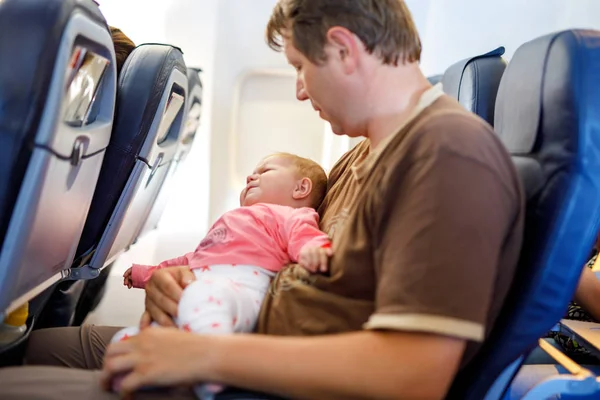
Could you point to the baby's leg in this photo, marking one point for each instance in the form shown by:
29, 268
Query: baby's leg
219, 304
123, 334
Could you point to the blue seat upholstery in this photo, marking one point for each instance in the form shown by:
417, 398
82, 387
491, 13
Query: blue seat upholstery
194, 112
142, 146
547, 116
53, 133
474, 82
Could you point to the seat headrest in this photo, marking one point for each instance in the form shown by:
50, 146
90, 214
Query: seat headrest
545, 74
474, 82
137, 98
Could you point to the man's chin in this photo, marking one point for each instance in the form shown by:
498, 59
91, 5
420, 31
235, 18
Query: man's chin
337, 130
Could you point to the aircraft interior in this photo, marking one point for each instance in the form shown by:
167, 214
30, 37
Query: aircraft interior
109, 162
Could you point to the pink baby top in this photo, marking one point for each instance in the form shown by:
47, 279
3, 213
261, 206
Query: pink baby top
263, 235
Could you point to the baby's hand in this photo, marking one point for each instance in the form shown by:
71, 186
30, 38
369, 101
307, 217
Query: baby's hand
315, 259
127, 280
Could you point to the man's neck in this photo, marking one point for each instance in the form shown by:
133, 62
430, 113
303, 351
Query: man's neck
394, 94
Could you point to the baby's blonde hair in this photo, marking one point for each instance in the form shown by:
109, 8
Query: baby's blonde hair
307, 168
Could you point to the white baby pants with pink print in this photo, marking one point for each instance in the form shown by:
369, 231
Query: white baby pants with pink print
223, 299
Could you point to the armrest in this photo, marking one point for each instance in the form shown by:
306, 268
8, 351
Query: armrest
581, 381
563, 359
586, 333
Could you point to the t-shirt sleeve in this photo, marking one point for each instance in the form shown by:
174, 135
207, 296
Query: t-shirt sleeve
438, 246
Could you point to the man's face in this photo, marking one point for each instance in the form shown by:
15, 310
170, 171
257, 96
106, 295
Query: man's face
273, 181
322, 84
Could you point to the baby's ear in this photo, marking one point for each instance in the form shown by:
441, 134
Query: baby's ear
302, 189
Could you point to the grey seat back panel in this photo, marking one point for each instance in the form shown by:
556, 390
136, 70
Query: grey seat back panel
54, 194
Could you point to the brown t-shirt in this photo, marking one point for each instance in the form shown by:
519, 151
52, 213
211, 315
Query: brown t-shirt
429, 245
342, 187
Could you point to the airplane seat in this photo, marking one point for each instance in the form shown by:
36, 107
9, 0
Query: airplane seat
474, 82
192, 122
57, 101
547, 116
93, 290
149, 115
151, 94
435, 79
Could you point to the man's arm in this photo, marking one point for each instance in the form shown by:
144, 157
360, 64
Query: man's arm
360, 365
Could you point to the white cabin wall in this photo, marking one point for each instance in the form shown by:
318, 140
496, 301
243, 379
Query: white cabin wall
453, 30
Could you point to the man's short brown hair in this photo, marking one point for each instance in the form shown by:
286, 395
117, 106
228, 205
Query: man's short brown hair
385, 27
308, 168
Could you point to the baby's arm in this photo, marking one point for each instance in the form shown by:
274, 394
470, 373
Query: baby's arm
307, 245
138, 275
315, 259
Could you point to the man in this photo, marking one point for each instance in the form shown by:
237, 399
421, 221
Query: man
424, 247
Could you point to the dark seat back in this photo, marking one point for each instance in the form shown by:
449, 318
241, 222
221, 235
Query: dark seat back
151, 95
547, 116
474, 82
57, 100
192, 122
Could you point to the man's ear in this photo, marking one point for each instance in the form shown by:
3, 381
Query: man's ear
343, 46
302, 189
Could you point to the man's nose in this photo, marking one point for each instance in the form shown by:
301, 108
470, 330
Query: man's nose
300, 91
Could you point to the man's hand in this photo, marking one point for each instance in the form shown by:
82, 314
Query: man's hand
163, 292
315, 259
127, 280
155, 357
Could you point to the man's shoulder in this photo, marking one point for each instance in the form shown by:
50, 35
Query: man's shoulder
447, 137
447, 128
446, 121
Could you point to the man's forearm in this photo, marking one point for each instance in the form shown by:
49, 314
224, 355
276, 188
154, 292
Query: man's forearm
356, 365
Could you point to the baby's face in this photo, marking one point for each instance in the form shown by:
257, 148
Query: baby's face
272, 181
